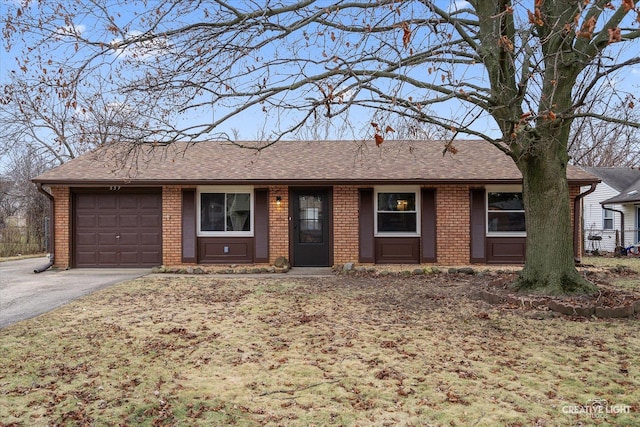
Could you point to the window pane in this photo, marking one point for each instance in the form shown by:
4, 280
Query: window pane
506, 221
397, 222
607, 219
212, 212
311, 219
505, 202
238, 212
396, 202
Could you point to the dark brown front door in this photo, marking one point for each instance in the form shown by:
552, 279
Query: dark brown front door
118, 229
311, 222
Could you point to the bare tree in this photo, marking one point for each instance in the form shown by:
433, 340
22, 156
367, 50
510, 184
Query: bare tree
33, 115
60, 123
595, 142
18, 196
35, 206
514, 74
8, 207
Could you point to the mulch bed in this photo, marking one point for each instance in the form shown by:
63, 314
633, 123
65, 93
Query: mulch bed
609, 302
492, 287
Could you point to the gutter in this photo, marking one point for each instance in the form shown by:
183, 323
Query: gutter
51, 241
89, 183
577, 255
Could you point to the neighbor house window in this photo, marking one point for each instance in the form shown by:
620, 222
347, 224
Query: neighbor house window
397, 212
505, 213
607, 219
225, 211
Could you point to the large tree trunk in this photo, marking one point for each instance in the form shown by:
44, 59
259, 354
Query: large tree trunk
549, 266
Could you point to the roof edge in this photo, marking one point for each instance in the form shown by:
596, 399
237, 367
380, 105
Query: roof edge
620, 200
156, 183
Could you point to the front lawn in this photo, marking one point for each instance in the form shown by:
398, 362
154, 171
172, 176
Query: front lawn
419, 350
630, 261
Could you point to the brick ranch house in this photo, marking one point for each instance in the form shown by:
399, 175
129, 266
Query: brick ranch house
317, 203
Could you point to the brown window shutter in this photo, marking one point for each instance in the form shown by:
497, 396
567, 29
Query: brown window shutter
261, 223
478, 226
428, 226
189, 226
366, 215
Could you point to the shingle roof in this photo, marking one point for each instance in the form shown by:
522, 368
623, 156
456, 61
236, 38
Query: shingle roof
631, 194
295, 162
625, 180
617, 178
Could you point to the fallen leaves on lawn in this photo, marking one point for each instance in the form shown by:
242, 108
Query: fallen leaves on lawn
410, 350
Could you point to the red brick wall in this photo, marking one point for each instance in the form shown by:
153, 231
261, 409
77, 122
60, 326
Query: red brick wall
452, 221
62, 226
345, 224
453, 215
278, 222
171, 225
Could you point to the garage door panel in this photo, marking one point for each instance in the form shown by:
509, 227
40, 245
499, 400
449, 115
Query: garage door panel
150, 202
107, 259
117, 230
148, 220
106, 201
86, 239
86, 221
128, 239
129, 221
129, 258
107, 240
150, 239
87, 202
107, 220
150, 258
87, 258
129, 201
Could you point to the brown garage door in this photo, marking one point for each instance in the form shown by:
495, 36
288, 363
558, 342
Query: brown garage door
118, 229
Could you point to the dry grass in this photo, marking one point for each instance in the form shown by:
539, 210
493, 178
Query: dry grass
632, 262
301, 351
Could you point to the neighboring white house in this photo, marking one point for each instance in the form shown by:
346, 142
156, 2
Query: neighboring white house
616, 199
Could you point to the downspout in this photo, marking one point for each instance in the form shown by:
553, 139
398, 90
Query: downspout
620, 249
51, 241
577, 211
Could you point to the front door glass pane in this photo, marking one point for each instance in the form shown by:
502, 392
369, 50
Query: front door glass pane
311, 219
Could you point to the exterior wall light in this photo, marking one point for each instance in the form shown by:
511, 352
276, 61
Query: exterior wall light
278, 201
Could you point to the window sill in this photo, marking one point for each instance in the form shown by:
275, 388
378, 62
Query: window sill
391, 234
225, 234
506, 234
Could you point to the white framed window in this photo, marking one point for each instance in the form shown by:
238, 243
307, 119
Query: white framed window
505, 211
225, 211
397, 211
607, 219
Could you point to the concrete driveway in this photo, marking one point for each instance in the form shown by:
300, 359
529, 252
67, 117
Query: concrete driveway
24, 294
